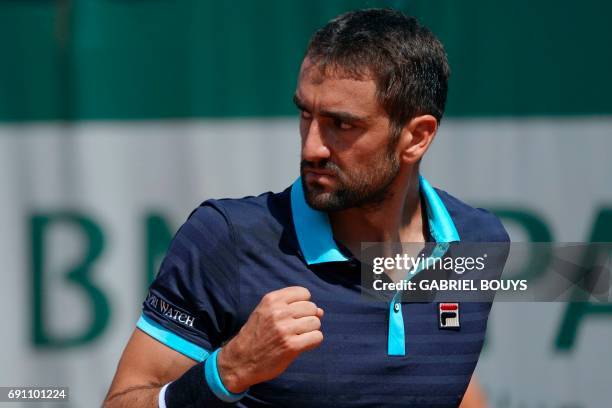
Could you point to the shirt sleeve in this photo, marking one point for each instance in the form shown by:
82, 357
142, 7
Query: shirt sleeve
191, 306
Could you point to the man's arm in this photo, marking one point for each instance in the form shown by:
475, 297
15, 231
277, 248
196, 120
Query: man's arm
474, 396
145, 366
283, 325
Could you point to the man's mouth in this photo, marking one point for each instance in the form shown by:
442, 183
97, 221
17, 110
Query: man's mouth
316, 172
320, 177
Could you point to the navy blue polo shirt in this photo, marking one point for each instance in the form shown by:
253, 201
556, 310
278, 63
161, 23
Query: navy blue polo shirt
231, 252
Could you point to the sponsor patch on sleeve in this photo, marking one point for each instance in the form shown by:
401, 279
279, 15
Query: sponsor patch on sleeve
171, 312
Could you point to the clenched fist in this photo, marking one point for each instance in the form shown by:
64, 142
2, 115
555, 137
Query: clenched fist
284, 325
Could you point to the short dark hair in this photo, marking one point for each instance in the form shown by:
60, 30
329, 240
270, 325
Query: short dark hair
405, 59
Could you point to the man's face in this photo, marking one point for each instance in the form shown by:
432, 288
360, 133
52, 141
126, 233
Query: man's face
349, 158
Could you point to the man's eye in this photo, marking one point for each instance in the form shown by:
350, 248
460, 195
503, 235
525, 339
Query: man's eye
305, 115
342, 125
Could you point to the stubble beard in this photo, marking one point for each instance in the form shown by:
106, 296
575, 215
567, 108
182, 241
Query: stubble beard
366, 189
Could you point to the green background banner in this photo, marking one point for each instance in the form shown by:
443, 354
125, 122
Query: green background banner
136, 59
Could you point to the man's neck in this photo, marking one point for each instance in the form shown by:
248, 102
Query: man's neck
400, 218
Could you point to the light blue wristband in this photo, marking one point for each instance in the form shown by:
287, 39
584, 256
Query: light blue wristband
211, 373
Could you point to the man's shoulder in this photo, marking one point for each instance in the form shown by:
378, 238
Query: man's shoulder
249, 211
473, 224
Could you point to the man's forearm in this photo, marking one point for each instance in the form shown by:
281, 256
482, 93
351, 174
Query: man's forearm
141, 397
191, 389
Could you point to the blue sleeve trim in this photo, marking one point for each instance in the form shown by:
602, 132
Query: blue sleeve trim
171, 339
211, 372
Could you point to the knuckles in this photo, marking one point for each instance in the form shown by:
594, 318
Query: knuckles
279, 295
278, 314
273, 319
268, 299
289, 345
281, 330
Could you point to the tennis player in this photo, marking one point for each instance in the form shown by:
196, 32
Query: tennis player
258, 301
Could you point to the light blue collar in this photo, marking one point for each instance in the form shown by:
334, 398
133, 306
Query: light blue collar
315, 234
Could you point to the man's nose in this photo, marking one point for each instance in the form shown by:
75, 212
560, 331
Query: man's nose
314, 147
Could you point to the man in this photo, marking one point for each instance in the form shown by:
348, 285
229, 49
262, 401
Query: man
258, 301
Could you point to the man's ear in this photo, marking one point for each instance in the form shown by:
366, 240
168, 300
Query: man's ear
416, 137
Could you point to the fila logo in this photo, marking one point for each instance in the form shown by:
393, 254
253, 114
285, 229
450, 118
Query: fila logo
448, 316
